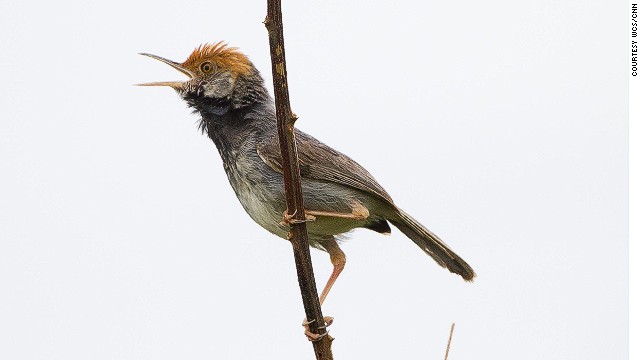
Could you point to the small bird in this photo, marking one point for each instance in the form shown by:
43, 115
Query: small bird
238, 114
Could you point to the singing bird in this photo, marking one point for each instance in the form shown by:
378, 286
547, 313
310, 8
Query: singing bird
238, 115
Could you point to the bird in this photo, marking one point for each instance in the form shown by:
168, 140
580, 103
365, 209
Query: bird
237, 113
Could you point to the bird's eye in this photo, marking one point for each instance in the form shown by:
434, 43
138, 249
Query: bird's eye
206, 67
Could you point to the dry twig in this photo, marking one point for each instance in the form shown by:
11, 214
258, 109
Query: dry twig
446, 354
293, 190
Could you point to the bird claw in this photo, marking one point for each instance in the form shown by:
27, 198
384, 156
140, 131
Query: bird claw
315, 337
328, 320
289, 220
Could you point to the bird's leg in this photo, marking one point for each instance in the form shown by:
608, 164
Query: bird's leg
358, 212
338, 259
289, 220
328, 320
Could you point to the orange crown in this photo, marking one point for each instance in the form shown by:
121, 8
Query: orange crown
222, 55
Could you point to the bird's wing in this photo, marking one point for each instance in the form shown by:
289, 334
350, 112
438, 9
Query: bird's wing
319, 161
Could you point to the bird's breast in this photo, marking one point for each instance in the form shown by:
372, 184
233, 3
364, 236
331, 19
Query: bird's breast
257, 191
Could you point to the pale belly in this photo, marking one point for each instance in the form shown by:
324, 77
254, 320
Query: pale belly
260, 190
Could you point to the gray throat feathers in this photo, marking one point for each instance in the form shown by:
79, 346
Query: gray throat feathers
229, 122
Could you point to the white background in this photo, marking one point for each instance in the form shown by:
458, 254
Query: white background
501, 125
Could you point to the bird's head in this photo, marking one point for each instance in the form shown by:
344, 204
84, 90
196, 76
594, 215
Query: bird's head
218, 74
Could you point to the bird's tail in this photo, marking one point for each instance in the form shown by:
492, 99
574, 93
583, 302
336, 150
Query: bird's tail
432, 245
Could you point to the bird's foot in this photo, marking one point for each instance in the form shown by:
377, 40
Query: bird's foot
289, 220
328, 320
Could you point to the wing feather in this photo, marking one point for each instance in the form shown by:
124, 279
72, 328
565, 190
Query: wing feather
319, 161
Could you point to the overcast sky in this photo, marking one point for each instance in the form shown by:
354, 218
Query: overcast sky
501, 125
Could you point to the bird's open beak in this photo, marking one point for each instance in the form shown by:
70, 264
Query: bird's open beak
178, 85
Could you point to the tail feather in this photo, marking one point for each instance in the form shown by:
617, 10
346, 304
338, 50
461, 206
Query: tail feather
432, 245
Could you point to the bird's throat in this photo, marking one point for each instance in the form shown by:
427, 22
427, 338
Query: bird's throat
209, 107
